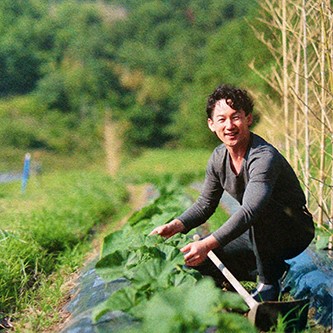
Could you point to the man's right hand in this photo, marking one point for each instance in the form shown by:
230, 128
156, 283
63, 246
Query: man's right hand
169, 229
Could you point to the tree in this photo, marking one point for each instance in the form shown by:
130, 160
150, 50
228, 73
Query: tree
19, 57
159, 54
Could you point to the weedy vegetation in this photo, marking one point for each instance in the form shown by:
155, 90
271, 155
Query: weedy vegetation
44, 235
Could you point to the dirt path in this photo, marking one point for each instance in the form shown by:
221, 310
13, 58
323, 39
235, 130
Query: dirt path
113, 148
112, 144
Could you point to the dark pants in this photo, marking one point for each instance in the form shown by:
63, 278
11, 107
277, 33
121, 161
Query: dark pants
278, 234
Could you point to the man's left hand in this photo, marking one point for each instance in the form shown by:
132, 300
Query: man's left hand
196, 252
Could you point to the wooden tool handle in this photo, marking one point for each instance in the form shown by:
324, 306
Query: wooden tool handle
234, 282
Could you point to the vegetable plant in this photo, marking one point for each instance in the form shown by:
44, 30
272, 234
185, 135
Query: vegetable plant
162, 294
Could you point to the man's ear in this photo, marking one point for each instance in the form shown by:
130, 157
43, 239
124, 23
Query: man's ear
249, 118
211, 124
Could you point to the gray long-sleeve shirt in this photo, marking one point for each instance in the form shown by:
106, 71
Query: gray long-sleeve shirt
265, 177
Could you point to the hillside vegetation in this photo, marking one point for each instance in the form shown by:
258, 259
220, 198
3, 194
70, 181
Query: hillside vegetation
149, 65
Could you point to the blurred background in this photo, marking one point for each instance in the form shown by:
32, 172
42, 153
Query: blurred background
81, 77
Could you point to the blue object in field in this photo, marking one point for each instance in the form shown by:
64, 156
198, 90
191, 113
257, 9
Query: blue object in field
26, 171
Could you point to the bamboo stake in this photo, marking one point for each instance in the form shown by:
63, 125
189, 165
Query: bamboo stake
323, 112
285, 79
303, 75
306, 101
330, 70
296, 127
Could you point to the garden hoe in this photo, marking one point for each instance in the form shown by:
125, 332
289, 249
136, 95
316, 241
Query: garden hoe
264, 315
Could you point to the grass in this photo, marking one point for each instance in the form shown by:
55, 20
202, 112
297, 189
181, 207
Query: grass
45, 235
153, 164
13, 159
42, 308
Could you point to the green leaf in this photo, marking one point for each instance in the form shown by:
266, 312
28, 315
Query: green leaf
191, 308
125, 263
111, 267
182, 309
147, 225
145, 213
231, 300
170, 252
120, 240
154, 273
122, 300
112, 242
183, 277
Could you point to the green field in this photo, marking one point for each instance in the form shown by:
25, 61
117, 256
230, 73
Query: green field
47, 232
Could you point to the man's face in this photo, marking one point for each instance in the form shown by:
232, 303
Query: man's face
231, 126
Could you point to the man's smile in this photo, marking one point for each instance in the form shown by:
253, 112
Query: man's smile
231, 134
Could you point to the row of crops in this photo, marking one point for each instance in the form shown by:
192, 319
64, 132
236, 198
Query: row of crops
162, 295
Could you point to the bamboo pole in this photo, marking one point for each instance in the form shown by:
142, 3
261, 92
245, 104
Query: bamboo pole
295, 110
285, 79
306, 104
330, 70
323, 113
295, 89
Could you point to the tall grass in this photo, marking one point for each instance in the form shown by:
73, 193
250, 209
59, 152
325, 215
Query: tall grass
50, 221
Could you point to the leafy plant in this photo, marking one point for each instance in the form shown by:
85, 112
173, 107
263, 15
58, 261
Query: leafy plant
193, 308
161, 291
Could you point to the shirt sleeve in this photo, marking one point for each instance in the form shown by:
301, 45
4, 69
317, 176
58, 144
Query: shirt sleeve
263, 170
207, 201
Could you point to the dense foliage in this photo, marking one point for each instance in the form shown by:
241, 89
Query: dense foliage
148, 64
170, 56
161, 293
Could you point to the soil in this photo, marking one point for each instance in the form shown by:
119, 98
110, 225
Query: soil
112, 144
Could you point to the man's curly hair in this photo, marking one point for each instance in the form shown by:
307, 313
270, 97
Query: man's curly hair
236, 98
